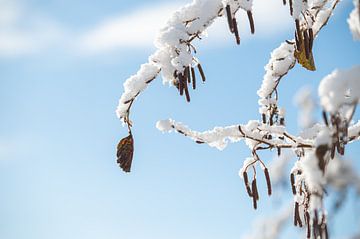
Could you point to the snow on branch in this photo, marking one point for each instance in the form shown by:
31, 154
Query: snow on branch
341, 87
354, 132
315, 147
133, 86
313, 17
254, 133
339, 94
174, 56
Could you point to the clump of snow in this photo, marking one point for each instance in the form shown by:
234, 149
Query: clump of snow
311, 133
354, 21
252, 125
299, 6
218, 137
248, 161
312, 174
323, 137
164, 125
354, 131
134, 85
236, 4
339, 88
321, 18
282, 59
174, 50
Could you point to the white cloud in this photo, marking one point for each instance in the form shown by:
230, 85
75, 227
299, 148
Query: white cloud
139, 28
23, 32
136, 29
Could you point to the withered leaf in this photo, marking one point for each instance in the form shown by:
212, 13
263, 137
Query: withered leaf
306, 63
303, 53
125, 151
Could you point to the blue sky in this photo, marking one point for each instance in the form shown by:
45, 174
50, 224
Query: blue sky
60, 81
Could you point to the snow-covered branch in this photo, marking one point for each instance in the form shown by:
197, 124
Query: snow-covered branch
254, 133
175, 54
314, 17
316, 148
340, 88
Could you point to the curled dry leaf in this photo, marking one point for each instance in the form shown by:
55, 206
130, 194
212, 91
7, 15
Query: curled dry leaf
303, 52
125, 151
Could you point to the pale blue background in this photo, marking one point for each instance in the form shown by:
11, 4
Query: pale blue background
58, 176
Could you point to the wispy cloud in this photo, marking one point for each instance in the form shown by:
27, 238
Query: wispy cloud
25, 32
139, 28
136, 29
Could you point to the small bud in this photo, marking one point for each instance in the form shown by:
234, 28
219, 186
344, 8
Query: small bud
271, 120
268, 183
187, 92
201, 71
251, 21
193, 78
297, 43
298, 32
307, 219
229, 18
296, 210
306, 44
246, 181
236, 31
187, 75
255, 193
311, 38
292, 181
181, 84
297, 219
282, 121
263, 117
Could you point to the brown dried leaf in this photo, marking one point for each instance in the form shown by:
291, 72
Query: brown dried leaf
125, 151
303, 53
